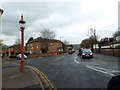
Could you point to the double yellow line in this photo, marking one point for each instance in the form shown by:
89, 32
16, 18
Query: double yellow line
41, 75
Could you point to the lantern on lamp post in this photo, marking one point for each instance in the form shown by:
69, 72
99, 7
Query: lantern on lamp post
22, 27
1, 11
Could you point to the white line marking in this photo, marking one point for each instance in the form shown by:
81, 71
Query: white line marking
76, 61
60, 58
96, 69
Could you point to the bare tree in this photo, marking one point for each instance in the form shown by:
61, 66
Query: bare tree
117, 33
66, 42
47, 34
92, 33
91, 40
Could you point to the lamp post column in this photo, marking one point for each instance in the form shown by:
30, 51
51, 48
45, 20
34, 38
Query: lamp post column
22, 68
22, 27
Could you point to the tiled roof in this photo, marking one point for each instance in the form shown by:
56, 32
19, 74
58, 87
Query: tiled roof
40, 39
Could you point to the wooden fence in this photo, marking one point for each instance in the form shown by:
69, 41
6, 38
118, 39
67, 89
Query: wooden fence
108, 51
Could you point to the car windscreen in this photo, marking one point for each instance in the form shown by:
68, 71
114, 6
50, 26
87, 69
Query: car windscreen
86, 50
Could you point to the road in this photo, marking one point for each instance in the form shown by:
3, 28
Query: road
71, 71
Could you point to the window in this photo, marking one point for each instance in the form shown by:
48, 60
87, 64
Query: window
31, 47
30, 52
37, 47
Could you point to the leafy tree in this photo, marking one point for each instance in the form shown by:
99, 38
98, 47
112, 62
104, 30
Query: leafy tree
4, 46
85, 43
88, 43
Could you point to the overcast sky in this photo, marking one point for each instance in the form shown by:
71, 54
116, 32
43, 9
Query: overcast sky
70, 20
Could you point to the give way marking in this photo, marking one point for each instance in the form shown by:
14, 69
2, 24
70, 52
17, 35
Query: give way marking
76, 61
103, 70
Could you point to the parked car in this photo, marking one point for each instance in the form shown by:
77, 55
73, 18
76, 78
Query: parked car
19, 56
70, 52
87, 53
73, 50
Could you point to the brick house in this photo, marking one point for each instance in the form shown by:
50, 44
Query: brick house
12, 50
41, 45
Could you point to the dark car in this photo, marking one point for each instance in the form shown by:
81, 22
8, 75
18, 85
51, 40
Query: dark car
87, 53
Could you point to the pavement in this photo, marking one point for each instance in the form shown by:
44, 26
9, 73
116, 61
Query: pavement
31, 78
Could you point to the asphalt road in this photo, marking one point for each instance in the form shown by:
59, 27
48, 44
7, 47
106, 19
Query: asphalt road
71, 71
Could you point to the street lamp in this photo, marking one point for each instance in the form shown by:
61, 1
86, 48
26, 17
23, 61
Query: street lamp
1, 11
22, 27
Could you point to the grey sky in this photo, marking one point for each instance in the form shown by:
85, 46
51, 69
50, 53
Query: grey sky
70, 20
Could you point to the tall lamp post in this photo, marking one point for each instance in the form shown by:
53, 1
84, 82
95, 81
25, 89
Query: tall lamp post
1, 12
22, 27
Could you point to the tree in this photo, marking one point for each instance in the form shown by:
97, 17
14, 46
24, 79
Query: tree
47, 34
117, 33
92, 37
66, 42
92, 33
85, 43
4, 46
30, 39
88, 43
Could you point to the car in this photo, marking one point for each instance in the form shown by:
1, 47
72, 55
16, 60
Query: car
20, 55
87, 53
73, 50
70, 52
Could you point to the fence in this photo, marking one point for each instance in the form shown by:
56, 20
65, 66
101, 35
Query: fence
108, 51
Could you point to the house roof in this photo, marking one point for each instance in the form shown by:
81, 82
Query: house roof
40, 39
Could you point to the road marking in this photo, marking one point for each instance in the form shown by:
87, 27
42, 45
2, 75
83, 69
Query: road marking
41, 74
76, 61
102, 70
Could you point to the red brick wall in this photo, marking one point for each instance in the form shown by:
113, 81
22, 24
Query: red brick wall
33, 47
54, 47
36, 47
16, 49
41, 55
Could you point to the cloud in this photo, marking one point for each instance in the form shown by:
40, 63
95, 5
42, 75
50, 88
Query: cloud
70, 20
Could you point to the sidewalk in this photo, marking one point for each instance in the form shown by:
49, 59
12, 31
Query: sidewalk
13, 78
